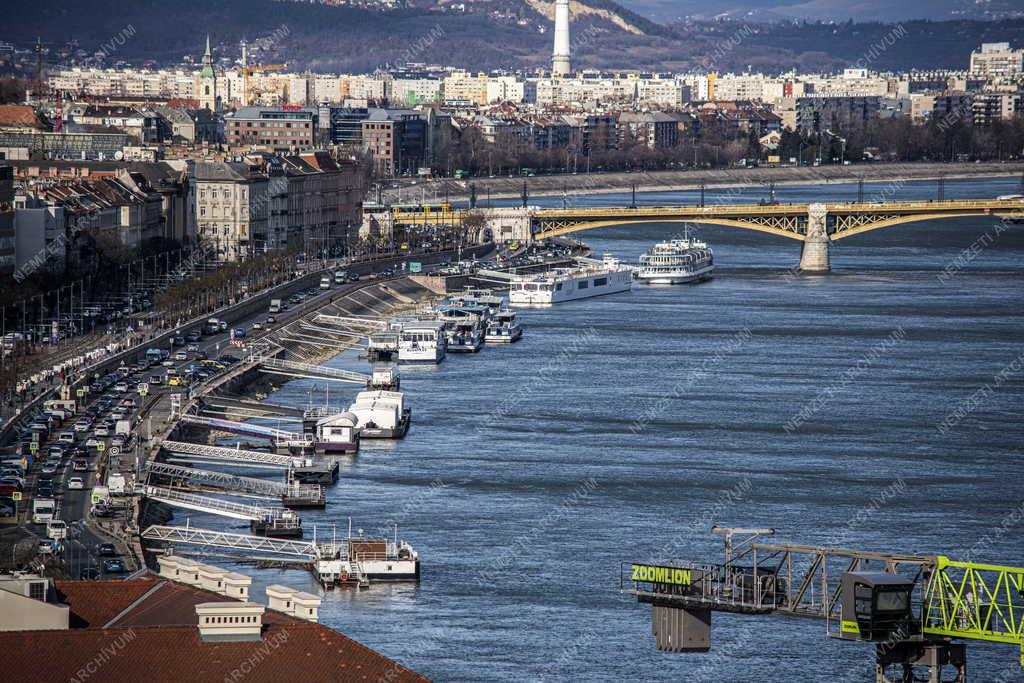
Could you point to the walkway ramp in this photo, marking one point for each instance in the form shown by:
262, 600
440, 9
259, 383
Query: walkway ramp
232, 482
243, 428
211, 505
293, 368
232, 455
221, 539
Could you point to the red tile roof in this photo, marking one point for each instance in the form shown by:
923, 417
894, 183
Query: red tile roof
155, 638
94, 603
19, 116
288, 652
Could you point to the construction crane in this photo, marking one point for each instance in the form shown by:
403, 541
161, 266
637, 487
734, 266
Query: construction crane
246, 71
912, 607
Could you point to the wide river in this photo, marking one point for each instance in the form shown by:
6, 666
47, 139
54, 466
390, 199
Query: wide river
835, 409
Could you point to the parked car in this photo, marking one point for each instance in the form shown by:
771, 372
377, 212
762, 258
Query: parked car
114, 566
106, 550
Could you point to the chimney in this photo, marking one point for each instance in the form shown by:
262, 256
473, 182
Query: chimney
560, 64
294, 602
229, 621
180, 569
237, 585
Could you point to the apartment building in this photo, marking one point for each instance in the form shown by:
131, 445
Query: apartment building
279, 129
997, 60
230, 203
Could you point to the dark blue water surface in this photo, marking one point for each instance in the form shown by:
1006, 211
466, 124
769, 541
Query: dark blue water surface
621, 428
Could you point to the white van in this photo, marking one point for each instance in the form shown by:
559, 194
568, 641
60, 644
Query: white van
325, 282
57, 529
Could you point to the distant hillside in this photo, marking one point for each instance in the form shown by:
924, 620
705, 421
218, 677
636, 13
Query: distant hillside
489, 35
668, 11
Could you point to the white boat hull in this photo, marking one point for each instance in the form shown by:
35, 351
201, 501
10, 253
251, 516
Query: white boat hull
679, 278
426, 356
532, 298
508, 337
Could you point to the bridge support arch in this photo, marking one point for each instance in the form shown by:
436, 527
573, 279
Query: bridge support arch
814, 256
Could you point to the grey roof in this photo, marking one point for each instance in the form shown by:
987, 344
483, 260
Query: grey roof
221, 170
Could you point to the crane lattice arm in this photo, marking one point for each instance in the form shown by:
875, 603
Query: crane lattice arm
976, 601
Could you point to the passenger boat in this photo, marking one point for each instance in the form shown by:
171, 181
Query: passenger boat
465, 337
589, 278
676, 262
422, 341
336, 434
479, 296
504, 328
359, 559
381, 414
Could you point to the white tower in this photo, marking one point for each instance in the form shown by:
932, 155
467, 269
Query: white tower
560, 65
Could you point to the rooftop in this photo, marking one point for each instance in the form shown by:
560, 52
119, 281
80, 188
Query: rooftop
147, 630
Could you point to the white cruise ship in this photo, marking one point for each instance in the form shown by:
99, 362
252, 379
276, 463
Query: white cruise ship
590, 278
676, 262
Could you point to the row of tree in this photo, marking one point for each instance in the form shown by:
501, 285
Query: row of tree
894, 139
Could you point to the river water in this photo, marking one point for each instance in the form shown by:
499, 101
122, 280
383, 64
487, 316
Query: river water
622, 428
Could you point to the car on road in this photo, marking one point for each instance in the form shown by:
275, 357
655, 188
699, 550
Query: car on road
121, 387
89, 574
257, 325
193, 336
67, 438
45, 546
271, 320
49, 468
82, 425
156, 380
106, 549
175, 381
192, 348
76, 483
239, 332
80, 466
101, 431
181, 355
114, 566
93, 442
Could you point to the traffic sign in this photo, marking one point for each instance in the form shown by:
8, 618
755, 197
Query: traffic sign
16, 496
115, 450
100, 447
80, 393
34, 446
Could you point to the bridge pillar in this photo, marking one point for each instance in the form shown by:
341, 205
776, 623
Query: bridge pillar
814, 257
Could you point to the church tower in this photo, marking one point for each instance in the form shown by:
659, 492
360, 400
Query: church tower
206, 87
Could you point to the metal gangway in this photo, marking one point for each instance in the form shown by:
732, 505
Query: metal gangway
215, 506
244, 428
293, 368
232, 455
234, 482
308, 550
357, 321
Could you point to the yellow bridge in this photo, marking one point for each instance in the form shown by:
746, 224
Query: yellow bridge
786, 220
815, 225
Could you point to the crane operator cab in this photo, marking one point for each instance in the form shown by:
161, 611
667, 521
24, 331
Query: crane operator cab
876, 606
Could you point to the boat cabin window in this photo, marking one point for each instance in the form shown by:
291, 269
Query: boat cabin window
583, 284
600, 282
